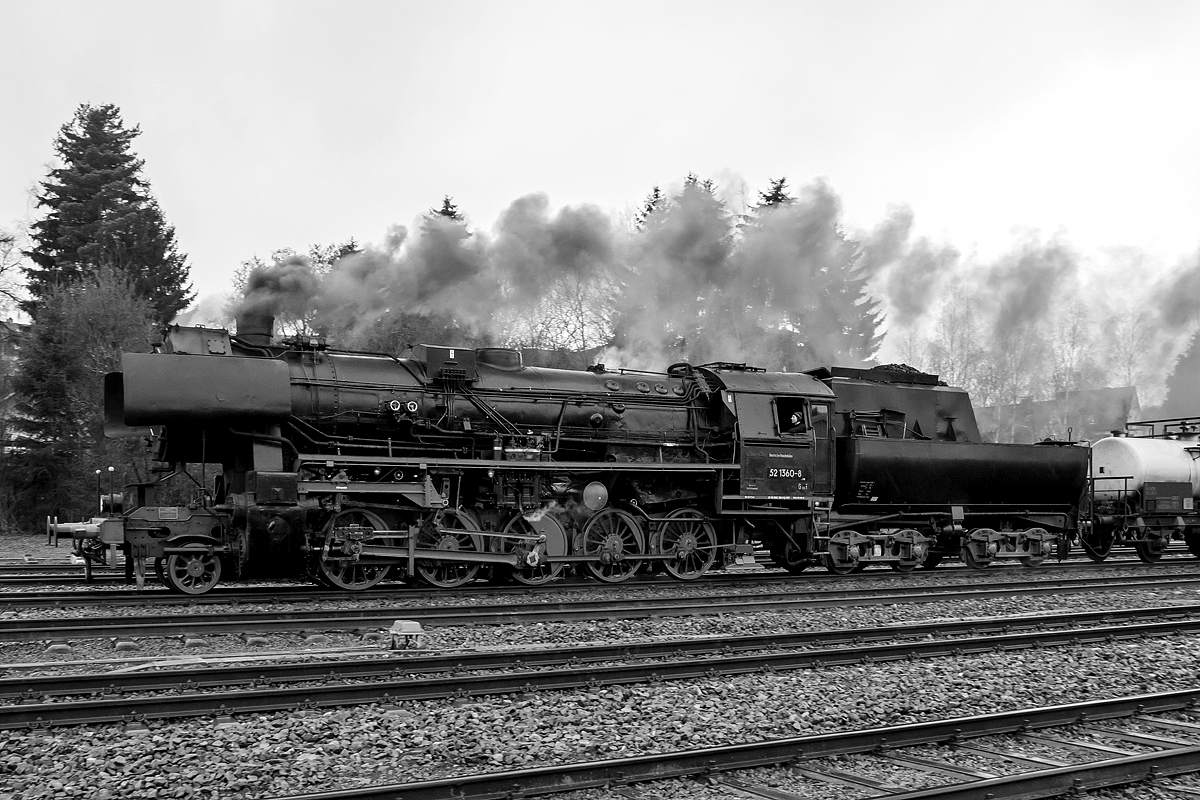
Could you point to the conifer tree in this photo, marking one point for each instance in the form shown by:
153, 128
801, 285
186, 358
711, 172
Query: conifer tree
99, 213
654, 205
776, 195
79, 336
449, 209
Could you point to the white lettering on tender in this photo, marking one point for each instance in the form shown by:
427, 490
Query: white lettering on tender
779, 455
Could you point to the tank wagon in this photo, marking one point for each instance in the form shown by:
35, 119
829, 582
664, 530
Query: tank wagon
1145, 484
451, 464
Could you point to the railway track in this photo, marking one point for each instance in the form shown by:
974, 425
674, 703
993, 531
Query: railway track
274, 620
821, 583
265, 687
1160, 723
21, 573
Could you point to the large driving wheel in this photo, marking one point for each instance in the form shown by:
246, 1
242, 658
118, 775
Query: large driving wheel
340, 564
689, 540
192, 573
535, 569
454, 532
610, 538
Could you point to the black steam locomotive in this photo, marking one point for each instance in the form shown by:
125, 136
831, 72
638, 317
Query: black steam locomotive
452, 464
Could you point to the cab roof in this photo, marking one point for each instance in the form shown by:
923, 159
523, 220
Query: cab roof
737, 378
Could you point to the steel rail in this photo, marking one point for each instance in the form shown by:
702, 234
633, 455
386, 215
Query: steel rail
297, 590
67, 628
33, 573
783, 752
395, 663
564, 677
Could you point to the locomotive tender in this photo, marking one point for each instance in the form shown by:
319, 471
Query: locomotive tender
453, 464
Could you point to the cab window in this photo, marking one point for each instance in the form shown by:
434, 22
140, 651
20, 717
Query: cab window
819, 419
793, 416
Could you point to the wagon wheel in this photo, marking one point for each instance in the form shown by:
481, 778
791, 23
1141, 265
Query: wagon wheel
1096, 544
610, 537
1191, 537
932, 559
192, 573
903, 566
689, 539
841, 558
454, 533
337, 565
541, 571
972, 559
791, 557
1035, 559
1150, 550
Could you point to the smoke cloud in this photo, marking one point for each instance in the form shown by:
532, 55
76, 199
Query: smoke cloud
697, 282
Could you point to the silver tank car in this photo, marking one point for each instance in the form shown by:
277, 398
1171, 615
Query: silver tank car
1144, 486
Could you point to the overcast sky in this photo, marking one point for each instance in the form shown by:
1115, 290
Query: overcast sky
284, 124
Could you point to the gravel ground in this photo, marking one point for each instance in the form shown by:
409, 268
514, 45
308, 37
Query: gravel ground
274, 754
100, 654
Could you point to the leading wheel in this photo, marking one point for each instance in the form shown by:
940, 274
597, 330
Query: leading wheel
192, 573
688, 540
453, 533
340, 564
539, 571
609, 538
1151, 550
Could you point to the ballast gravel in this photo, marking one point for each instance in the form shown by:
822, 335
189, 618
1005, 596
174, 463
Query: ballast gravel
98, 654
308, 750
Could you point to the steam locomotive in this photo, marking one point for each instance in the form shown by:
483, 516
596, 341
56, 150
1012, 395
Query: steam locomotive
451, 464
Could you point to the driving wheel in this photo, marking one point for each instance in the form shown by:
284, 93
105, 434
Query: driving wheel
340, 564
690, 542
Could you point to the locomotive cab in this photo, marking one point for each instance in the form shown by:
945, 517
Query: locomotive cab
782, 434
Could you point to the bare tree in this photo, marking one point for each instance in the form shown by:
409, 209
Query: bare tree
1129, 339
955, 349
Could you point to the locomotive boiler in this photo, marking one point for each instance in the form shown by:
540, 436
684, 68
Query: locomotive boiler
449, 464
1145, 483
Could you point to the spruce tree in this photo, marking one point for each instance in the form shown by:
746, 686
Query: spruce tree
79, 336
449, 210
99, 213
776, 195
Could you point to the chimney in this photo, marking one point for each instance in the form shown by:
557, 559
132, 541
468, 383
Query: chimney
255, 327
